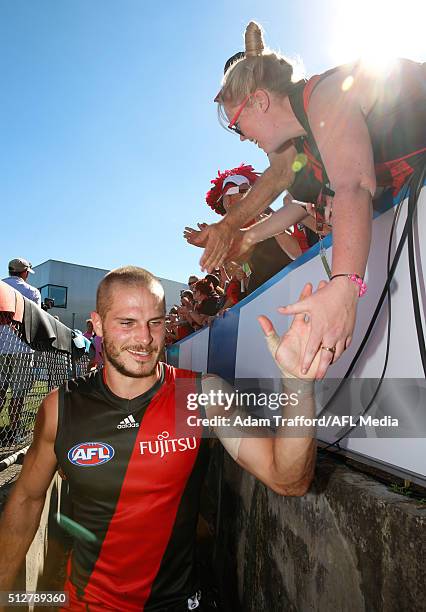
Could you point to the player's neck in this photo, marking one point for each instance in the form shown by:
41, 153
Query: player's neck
126, 386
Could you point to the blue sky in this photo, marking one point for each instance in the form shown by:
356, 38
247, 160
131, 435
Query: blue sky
109, 135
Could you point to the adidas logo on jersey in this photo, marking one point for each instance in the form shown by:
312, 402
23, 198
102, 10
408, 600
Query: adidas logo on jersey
127, 422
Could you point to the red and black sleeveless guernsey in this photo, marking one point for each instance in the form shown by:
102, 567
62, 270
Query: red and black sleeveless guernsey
136, 485
396, 124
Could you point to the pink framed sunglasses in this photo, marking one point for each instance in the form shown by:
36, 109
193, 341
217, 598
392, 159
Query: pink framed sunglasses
233, 124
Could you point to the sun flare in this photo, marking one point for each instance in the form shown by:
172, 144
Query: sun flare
377, 31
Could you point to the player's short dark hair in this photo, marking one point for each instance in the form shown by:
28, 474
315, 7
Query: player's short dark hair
127, 275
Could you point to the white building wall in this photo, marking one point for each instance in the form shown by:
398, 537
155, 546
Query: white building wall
82, 282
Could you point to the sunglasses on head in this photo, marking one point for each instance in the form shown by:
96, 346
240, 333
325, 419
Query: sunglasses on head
236, 189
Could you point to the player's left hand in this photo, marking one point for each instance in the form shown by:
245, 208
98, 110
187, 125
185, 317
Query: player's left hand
288, 351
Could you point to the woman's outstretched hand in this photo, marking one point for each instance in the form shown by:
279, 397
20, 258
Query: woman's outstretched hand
332, 312
241, 245
217, 240
193, 236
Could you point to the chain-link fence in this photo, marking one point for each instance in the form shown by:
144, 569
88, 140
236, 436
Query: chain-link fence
26, 376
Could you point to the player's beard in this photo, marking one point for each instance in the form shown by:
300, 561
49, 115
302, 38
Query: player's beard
122, 361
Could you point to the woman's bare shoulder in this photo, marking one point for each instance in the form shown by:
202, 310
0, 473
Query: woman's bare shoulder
348, 84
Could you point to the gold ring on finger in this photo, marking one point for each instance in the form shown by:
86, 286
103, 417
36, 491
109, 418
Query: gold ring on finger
331, 349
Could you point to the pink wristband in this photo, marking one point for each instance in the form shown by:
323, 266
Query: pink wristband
356, 279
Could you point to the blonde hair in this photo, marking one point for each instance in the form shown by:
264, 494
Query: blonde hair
260, 68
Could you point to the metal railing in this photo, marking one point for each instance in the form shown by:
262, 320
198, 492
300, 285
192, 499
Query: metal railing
26, 377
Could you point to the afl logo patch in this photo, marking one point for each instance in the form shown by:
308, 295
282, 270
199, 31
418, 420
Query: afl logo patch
88, 454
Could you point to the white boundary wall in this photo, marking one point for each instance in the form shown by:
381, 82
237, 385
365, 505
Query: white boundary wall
401, 455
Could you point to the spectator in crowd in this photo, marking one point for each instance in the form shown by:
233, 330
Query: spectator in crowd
19, 271
16, 357
192, 280
95, 352
183, 326
193, 314
208, 304
235, 289
89, 329
265, 259
169, 335
178, 325
173, 323
186, 295
216, 282
351, 129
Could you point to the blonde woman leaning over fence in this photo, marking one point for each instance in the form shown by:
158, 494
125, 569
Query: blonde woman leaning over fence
353, 130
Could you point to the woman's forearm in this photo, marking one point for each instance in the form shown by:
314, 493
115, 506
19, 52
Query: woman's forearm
289, 245
310, 223
352, 219
279, 221
278, 177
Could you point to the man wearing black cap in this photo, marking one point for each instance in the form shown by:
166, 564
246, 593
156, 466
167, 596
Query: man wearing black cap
19, 270
16, 357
